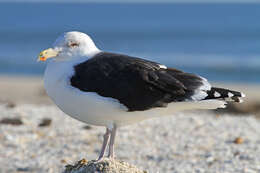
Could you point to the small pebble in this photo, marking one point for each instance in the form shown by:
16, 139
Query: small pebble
10, 105
218, 115
45, 122
237, 153
82, 162
11, 121
63, 161
24, 169
238, 140
87, 127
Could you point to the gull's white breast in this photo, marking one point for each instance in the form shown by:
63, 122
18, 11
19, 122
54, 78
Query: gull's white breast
88, 107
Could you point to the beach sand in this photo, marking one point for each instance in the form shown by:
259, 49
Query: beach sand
23, 90
183, 143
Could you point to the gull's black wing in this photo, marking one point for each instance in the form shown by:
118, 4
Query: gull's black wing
136, 83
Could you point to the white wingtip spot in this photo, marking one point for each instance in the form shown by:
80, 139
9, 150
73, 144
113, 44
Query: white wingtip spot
162, 66
217, 94
243, 95
230, 94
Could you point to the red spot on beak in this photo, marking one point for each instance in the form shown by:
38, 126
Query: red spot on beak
42, 58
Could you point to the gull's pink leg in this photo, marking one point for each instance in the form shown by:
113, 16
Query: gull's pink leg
104, 145
112, 142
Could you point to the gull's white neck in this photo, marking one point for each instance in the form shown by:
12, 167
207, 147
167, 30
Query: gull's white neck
93, 53
91, 50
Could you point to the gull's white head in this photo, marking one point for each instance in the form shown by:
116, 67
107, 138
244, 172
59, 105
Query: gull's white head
70, 45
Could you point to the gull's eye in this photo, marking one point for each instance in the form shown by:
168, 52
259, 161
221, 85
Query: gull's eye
73, 44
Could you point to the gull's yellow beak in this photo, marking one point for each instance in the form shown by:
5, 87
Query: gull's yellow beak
46, 54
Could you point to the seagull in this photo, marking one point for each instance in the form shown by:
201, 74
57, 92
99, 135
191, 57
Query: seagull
113, 90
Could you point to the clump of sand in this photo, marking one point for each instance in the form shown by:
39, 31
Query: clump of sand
103, 166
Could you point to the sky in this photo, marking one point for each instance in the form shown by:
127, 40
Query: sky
142, 1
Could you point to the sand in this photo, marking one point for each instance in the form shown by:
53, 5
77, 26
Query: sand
22, 90
182, 143
105, 165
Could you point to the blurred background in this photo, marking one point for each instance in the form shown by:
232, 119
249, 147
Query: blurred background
219, 40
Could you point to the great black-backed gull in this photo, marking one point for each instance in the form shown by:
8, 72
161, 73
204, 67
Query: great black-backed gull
113, 90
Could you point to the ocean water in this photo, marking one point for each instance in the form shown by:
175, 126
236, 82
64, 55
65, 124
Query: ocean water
218, 41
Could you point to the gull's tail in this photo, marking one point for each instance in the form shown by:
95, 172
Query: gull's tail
225, 94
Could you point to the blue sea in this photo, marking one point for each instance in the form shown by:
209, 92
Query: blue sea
218, 41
